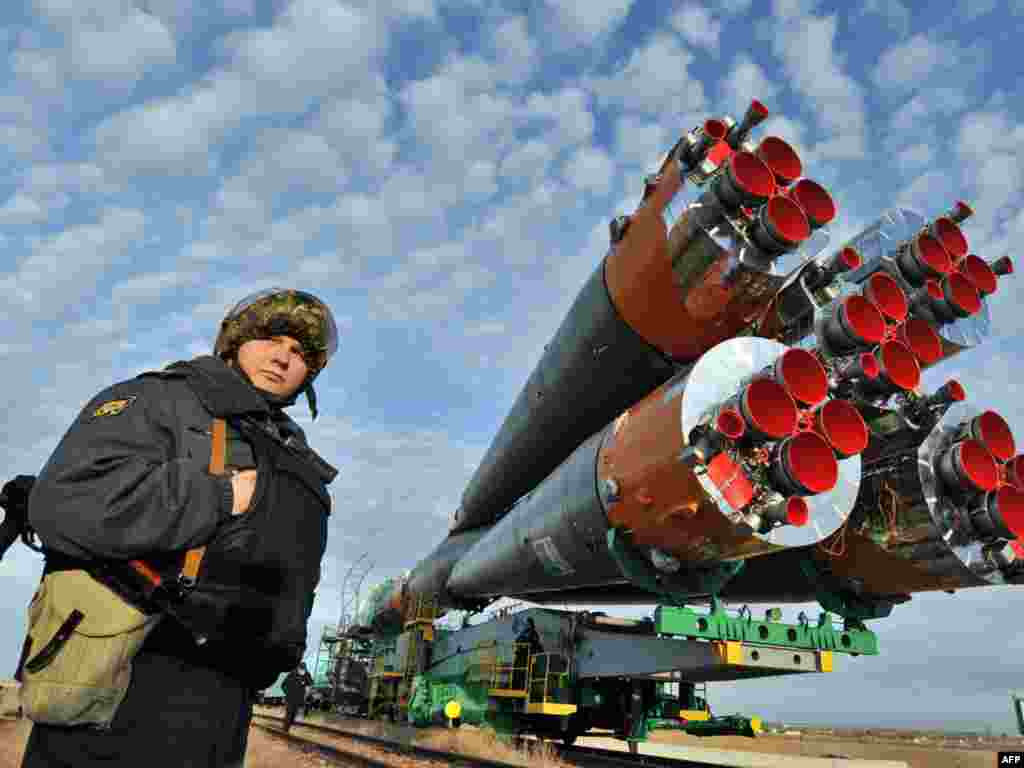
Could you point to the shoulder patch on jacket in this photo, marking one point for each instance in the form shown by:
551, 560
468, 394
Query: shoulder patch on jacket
114, 407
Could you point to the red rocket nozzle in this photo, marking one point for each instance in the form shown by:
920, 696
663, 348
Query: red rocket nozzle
730, 424
841, 424
899, 370
804, 465
856, 323
1002, 266
781, 159
746, 183
863, 366
802, 375
768, 408
797, 511
961, 296
968, 466
780, 226
954, 390
992, 431
1015, 471
716, 129
899, 365
949, 234
923, 340
923, 258
842, 261
792, 511
755, 115
980, 274
816, 202
885, 293
960, 212
1003, 513
850, 258
731, 479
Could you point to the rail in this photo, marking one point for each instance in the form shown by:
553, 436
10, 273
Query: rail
584, 756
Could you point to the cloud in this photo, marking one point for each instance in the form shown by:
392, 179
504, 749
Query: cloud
588, 21
590, 169
66, 266
746, 81
914, 157
922, 59
640, 142
697, 26
806, 45
974, 9
514, 51
110, 42
652, 78
893, 12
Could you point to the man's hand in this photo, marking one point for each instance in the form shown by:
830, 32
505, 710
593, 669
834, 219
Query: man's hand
243, 483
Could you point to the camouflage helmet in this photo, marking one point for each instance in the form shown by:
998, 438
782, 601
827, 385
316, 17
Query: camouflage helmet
281, 312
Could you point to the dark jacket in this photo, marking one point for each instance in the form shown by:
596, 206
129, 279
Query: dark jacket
295, 684
130, 480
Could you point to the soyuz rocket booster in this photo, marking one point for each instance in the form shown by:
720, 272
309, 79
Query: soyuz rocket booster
723, 412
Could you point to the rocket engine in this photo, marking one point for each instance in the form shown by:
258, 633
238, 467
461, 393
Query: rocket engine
731, 408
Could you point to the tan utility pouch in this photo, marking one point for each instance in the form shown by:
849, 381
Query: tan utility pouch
83, 637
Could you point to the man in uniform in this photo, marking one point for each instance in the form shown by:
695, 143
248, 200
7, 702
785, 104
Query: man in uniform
131, 480
294, 686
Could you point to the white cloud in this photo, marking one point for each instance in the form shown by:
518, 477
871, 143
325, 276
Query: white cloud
68, 265
908, 63
912, 63
894, 12
916, 156
746, 81
314, 48
654, 76
514, 51
697, 26
590, 169
528, 162
588, 20
176, 135
112, 42
21, 209
916, 118
641, 142
569, 109
973, 9
806, 45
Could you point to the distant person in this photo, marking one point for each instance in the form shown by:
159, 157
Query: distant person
295, 685
200, 454
527, 644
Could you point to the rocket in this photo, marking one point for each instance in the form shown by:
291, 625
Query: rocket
732, 409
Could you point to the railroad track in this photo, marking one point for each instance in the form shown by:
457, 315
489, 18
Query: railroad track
588, 756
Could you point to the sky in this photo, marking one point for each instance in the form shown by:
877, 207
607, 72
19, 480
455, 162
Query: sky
441, 173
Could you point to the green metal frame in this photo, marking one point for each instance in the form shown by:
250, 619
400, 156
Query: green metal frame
717, 624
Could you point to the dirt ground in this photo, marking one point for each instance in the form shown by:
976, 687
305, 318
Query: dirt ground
267, 752
915, 755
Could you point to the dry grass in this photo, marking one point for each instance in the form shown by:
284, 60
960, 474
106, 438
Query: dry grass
485, 744
467, 740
